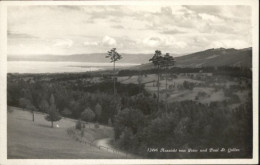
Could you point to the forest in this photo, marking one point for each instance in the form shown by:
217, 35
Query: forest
139, 123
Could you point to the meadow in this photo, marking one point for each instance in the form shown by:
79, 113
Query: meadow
37, 140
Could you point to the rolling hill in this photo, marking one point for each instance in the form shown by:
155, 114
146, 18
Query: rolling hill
212, 57
217, 57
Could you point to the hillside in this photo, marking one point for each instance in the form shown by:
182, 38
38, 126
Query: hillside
37, 140
213, 57
217, 57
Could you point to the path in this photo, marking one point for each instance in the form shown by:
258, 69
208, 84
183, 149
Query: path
104, 144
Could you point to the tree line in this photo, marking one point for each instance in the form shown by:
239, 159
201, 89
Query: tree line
221, 70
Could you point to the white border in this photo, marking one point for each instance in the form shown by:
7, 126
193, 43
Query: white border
3, 70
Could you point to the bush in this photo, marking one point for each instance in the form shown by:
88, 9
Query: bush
186, 125
78, 125
82, 133
96, 125
110, 122
87, 115
234, 99
202, 94
188, 85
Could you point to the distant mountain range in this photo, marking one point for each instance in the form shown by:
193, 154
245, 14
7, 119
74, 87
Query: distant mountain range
209, 57
95, 57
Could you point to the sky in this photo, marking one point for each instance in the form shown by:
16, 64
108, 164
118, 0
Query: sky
66, 30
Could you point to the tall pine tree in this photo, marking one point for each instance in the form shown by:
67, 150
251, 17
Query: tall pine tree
53, 113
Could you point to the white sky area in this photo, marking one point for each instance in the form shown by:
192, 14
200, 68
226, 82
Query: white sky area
62, 30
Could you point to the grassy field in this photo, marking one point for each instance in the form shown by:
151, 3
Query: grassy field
211, 94
37, 140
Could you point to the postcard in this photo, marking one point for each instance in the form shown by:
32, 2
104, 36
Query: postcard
129, 82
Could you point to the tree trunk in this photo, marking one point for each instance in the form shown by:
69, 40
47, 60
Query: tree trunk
139, 84
114, 77
51, 124
166, 92
158, 88
114, 84
33, 116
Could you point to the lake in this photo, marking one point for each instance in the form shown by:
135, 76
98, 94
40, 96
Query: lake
59, 67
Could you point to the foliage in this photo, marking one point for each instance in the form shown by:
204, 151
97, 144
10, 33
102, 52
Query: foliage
201, 94
26, 103
78, 125
66, 112
130, 118
168, 60
188, 85
187, 125
220, 71
109, 122
23, 102
96, 125
44, 105
98, 111
87, 115
113, 55
157, 58
53, 113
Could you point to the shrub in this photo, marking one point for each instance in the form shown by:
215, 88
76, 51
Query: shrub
66, 112
234, 99
202, 94
82, 133
96, 125
110, 122
188, 85
78, 125
87, 115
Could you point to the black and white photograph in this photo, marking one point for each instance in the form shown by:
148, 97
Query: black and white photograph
132, 81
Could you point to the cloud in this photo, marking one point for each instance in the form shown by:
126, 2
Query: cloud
108, 41
229, 13
174, 43
68, 7
129, 28
236, 43
16, 35
210, 18
204, 9
89, 43
174, 31
105, 41
169, 42
64, 43
152, 41
118, 26
166, 11
103, 12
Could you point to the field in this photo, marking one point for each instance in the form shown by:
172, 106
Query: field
213, 91
37, 140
